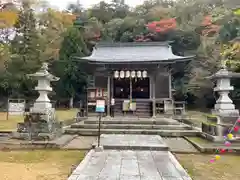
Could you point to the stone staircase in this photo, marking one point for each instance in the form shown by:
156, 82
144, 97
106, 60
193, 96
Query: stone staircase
132, 125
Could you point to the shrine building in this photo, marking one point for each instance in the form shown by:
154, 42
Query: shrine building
136, 77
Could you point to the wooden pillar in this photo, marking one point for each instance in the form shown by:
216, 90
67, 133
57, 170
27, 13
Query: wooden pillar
153, 83
169, 104
108, 95
170, 84
130, 89
112, 88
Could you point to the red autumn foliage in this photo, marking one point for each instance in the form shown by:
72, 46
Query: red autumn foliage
207, 21
209, 27
162, 26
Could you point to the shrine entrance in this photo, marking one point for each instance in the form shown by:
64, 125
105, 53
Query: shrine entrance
128, 88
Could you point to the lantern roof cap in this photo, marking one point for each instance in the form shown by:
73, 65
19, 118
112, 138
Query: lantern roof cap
224, 73
43, 72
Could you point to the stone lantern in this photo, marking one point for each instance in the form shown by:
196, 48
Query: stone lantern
224, 115
224, 105
41, 122
44, 88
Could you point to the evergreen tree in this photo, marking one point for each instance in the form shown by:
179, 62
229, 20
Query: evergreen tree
25, 50
71, 72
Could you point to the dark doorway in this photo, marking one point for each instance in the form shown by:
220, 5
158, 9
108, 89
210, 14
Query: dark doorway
121, 88
140, 88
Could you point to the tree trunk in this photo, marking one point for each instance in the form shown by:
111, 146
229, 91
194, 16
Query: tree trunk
71, 102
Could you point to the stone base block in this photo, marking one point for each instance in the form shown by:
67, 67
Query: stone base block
40, 130
223, 106
226, 113
42, 105
39, 137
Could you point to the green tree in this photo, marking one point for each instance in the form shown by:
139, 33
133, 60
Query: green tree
25, 52
71, 72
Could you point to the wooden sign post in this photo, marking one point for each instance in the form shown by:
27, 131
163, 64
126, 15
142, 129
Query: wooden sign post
100, 108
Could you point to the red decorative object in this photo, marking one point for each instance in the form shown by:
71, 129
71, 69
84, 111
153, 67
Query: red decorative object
238, 120
222, 151
236, 128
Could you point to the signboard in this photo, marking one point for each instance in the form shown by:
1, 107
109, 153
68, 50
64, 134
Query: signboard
16, 108
100, 106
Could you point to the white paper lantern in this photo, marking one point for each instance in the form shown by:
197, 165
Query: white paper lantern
144, 74
116, 74
139, 74
133, 74
127, 75
121, 74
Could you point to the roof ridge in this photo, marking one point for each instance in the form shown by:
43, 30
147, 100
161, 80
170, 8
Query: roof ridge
132, 44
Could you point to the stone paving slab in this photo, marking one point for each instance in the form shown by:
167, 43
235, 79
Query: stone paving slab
129, 165
81, 143
178, 144
132, 142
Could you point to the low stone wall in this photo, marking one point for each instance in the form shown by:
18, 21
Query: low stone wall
211, 148
186, 120
210, 129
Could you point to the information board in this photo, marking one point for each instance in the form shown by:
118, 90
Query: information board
100, 106
16, 108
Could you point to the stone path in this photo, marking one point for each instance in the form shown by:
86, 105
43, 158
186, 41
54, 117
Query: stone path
132, 142
130, 164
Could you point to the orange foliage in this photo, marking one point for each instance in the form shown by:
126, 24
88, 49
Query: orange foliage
209, 27
64, 17
163, 25
7, 18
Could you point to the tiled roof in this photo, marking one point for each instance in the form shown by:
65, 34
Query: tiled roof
133, 52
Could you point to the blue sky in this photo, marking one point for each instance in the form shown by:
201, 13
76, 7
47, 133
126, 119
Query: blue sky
88, 3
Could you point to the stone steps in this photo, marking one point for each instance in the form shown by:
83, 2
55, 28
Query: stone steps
131, 126
134, 121
169, 133
137, 114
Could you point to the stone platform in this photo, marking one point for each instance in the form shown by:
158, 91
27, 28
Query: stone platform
132, 125
129, 165
132, 142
